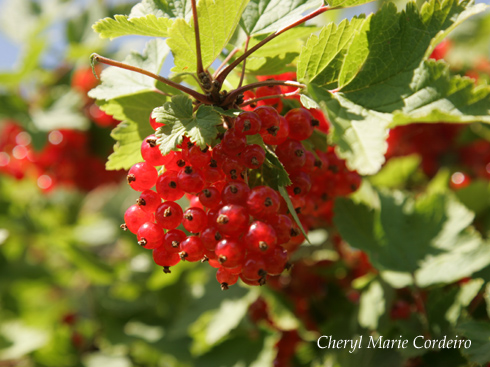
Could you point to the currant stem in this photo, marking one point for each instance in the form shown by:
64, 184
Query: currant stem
200, 68
252, 101
224, 73
198, 96
225, 61
244, 63
235, 93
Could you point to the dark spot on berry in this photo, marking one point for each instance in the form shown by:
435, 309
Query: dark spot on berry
166, 269
297, 191
315, 122
131, 178
143, 242
268, 202
222, 219
124, 227
141, 202
224, 286
233, 189
188, 170
180, 163
172, 184
152, 142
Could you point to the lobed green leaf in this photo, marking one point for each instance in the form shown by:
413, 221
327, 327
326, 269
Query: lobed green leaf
180, 121
218, 20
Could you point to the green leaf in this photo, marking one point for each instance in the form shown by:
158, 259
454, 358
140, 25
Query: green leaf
65, 112
179, 120
478, 332
265, 16
396, 172
134, 112
123, 25
466, 294
117, 82
372, 306
427, 237
218, 20
292, 211
163, 8
346, 3
373, 75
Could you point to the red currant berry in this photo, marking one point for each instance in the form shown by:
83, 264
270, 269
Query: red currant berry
190, 180
191, 249
135, 217
212, 173
195, 220
233, 143
248, 123
253, 156
149, 201
142, 176
172, 240
167, 188
154, 124
276, 261
169, 215
232, 220
260, 237
235, 192
199, 157
263, 202
300, 123
254, 267
282, 225
277, 135
230, 253
210, 197
292, 155
150, 235
165, 259
151, 152
225, 278
210, 237
269, 118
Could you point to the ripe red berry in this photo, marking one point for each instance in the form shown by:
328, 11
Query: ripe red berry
190, 180
292, 155
149, 201
235, 192
282, 225
260, 237
276, 261
191, 249
210, 237
169, 215
232, 220
167, 187
154, 124
301, 123
135, 217
225, 278
195, 220
150, 235
247, 123
254, 267
165, 259
269, 118
151, 152
142, 176
253, 156
263, 202
198, 157
233, 143
276, 136
210, 197
172, 240
230, 253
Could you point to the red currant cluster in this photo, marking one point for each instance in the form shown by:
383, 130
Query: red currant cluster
66, 159
244, 230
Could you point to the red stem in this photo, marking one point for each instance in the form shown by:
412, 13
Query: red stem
200, 68
244, 63
224, 73
198, 96
252, 101
235, 93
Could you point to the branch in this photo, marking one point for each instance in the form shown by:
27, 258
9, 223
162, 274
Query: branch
198, 96
235, 93
223, 74
283, 95
244, 63
200, 68
225, 61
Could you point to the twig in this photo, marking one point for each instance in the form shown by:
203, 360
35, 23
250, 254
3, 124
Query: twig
200, 97
235, 93
225, 61
252, 101
244, 63
200, 68
224, 73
